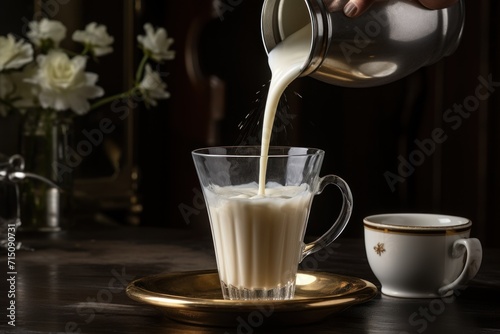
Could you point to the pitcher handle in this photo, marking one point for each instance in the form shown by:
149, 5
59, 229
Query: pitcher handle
341, 221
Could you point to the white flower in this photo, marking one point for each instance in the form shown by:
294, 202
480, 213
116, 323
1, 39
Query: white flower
96, 37
64, 84
17, 93
26, 93
152, 87
156, 43
14, 54
46, 31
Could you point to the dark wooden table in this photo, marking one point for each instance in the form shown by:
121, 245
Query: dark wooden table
74, 282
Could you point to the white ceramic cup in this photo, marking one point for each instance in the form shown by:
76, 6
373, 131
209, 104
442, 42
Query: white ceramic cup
418, 255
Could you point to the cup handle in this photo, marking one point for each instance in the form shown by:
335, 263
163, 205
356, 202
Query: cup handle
474, 256
342, 220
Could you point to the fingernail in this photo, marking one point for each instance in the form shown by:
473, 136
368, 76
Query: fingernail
350, 9
335, 5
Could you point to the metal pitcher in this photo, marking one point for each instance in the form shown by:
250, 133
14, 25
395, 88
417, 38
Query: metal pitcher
393, 39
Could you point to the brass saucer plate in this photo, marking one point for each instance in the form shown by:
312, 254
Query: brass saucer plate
195, 297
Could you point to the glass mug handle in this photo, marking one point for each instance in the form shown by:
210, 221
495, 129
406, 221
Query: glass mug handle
342, 220
473, 260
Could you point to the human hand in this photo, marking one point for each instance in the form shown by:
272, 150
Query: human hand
354, 8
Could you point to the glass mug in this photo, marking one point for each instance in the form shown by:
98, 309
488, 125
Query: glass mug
258, 239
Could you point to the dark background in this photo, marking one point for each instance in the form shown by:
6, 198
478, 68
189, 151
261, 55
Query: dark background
219, 76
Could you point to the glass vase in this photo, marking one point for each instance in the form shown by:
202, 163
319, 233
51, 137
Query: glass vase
45, 137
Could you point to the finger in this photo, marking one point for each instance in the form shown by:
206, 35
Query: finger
355, 8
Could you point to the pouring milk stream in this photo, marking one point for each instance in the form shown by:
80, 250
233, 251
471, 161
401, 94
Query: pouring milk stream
244, 216
286, 62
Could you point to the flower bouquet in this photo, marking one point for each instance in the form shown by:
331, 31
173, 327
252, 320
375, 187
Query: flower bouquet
48, 86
